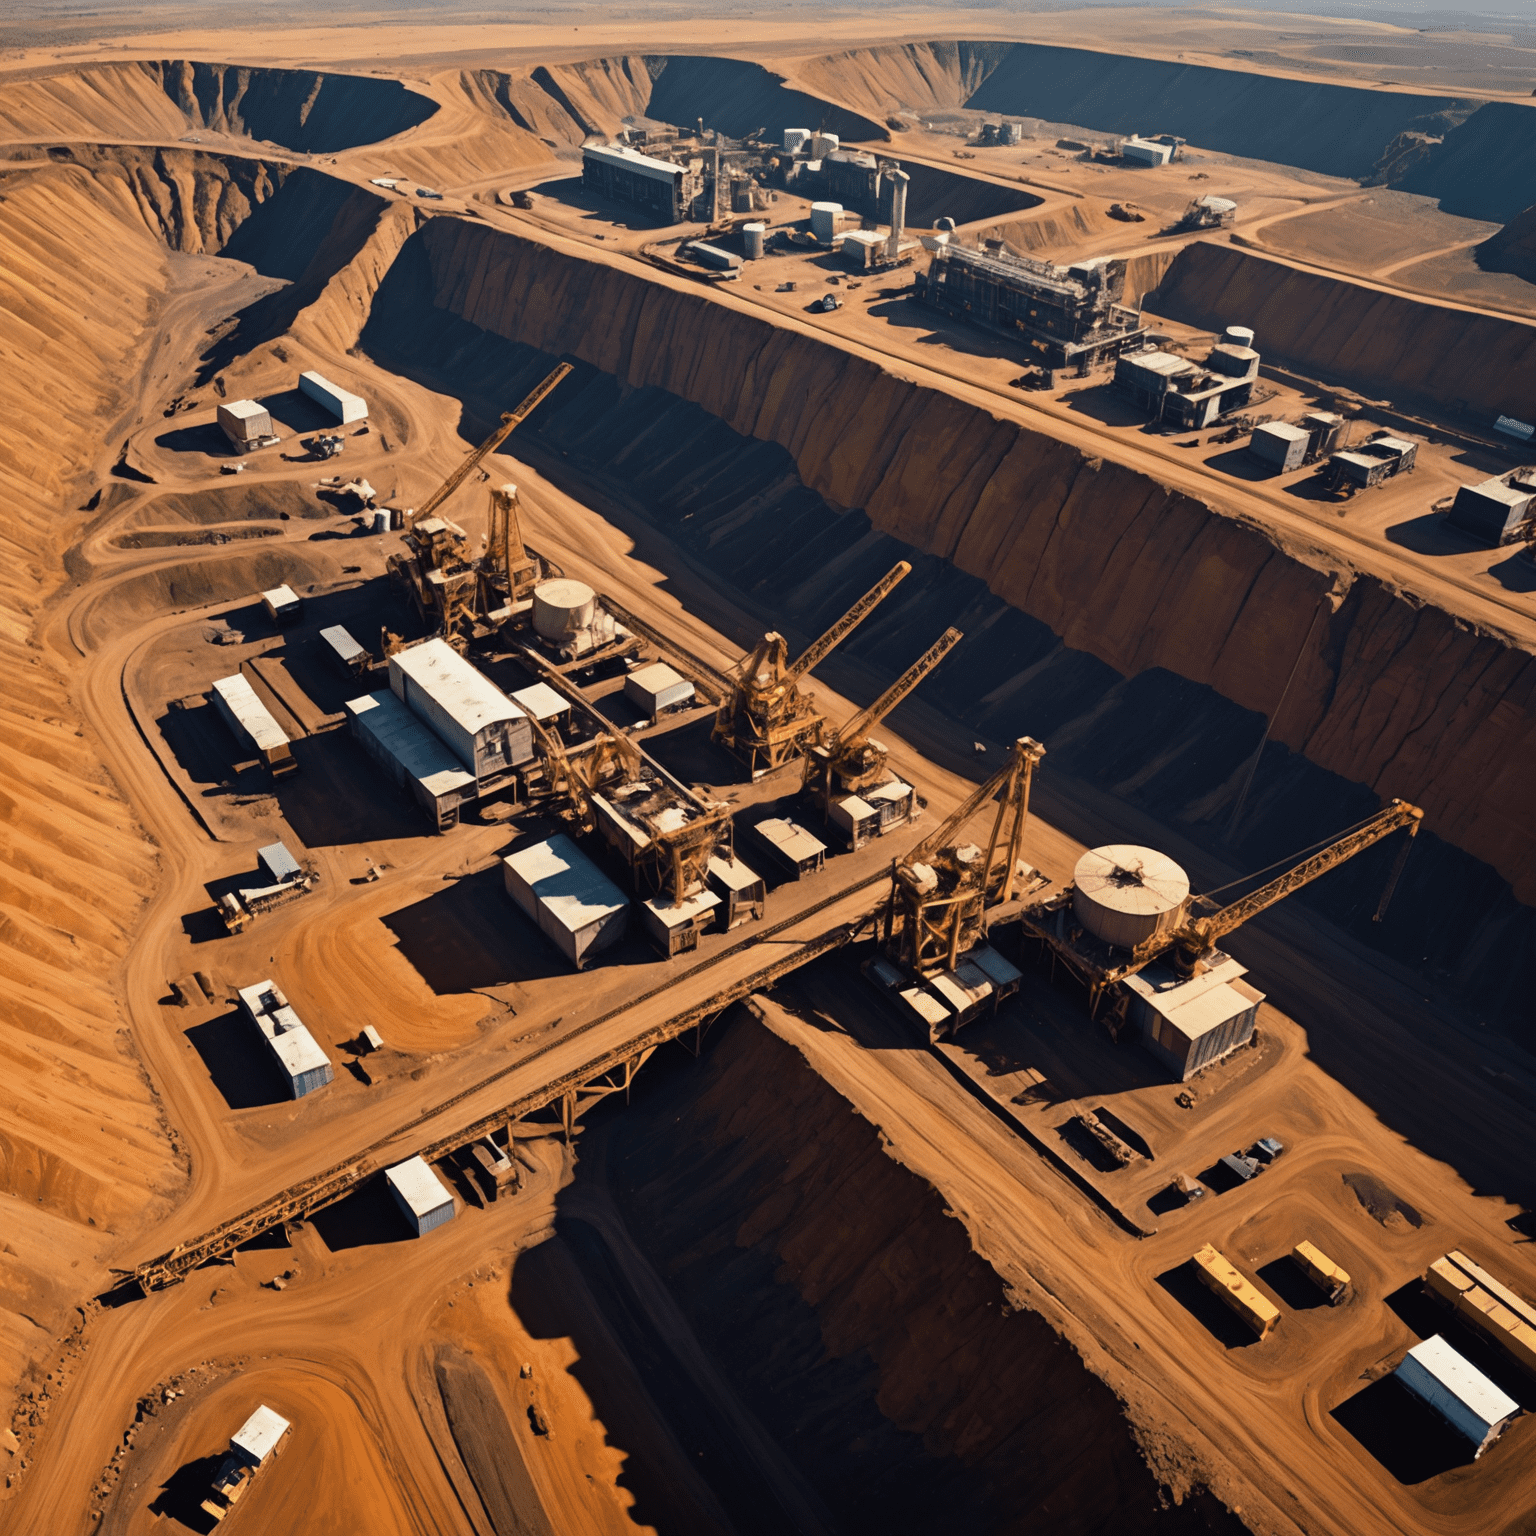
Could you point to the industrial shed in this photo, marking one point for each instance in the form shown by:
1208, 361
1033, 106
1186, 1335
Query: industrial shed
420, 1194
743, 890
468, 713
252, 724
791, 847
1450, 1384
1495, 511
674, 926
1189, 1024
412, 756
575, 905
245, 423
304, 1065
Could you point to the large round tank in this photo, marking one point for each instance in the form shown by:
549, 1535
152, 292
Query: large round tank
1124, 894
562, 608
1239, 335
753, 236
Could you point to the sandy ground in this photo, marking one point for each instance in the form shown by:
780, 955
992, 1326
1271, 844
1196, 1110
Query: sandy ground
358, 1345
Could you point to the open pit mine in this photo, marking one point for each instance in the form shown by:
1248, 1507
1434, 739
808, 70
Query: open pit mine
836, 735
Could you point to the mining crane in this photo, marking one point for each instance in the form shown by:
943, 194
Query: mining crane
508, 571
845, 761
679, 834
766, 720
943, 890
1204, 922
445, 586
510, 421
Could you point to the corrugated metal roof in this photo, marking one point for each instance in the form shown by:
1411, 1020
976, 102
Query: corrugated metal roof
541, 701
259, 1435
409, 742
1463, 1380
791, 840
418, 1186
280, 864
732, 873
673, 914
566, 883
633, 160
240, 699
342, 643
464, 693
1001, 972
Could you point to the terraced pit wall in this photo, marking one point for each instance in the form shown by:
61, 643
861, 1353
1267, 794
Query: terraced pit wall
1387, 344
1139, 632
909, 1384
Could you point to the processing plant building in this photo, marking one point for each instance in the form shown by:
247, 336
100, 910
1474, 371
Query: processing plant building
627, 176
1071, 315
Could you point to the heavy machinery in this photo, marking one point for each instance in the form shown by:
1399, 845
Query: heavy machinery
767, 720
1185, 944
665, 836
944, 889
446, 586
845, 761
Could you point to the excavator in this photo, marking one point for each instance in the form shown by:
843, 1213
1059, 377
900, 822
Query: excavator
944, 890
845, 761
447, 588
766, 719
1185, 946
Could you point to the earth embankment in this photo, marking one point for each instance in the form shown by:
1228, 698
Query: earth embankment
1381, 342
1338, 130
848, 1306
83, 280
1138, 632
563, 103
298, 109
1485, 168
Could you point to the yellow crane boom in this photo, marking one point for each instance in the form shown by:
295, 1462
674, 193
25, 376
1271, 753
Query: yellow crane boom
509, 423
1198, 935
817, 652
868, 718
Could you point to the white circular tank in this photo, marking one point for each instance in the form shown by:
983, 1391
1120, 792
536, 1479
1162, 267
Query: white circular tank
562, 608
1124, 894
1239, 335
381, 520
754, 235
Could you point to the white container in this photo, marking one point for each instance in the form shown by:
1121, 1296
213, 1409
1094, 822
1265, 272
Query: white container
343, 406
1238, 335
1124, 894
824, 217
755, 237
381, 520
1457, 1391
563, 608
795, 139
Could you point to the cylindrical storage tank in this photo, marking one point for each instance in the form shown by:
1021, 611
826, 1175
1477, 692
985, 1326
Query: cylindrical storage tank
754, 235
1239, 335
824, 217
1124, 894
796, 139
381, 520
563, 608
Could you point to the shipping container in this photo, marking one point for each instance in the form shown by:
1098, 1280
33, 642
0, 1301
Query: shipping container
743, 892
343, 406
674, 926
344, 651
1457, 1391
657, 688
1328, 1277
1244, 1298
791, 847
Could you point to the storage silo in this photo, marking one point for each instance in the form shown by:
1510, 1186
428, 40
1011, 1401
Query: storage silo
754, 236
824, 217
1124, 894
1239, 335
563, 608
